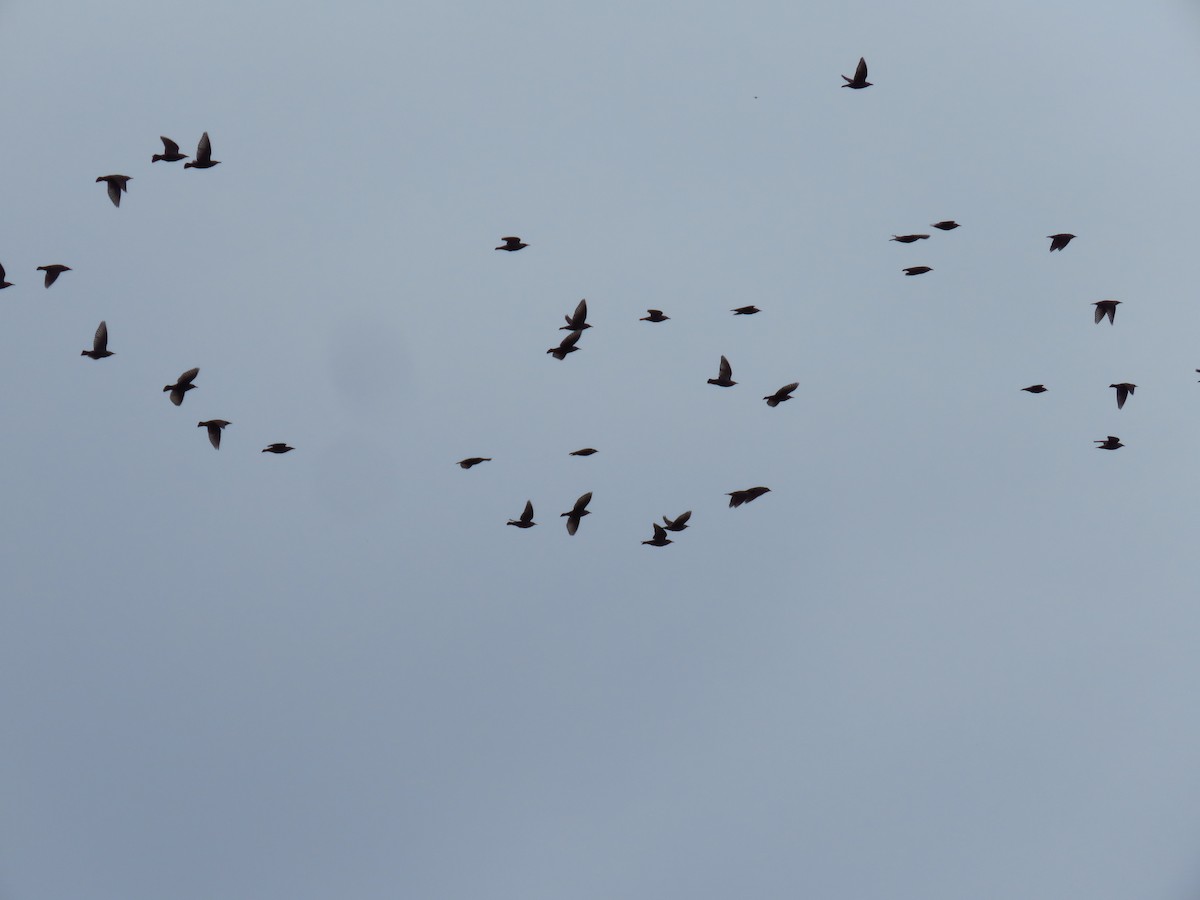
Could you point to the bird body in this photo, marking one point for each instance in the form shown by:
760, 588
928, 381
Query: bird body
737, 498
656, 315
784, 393
182, 386
170, 152
473, 461
1106, 308
1058, 241
660, 538
277, 448
578, 320
203, 158
214, 427
724, 375
566, 346
1124, 390
99, 344
859, 81
526, 518
577, 512
116, 184
1110, 443
512, 244
52, 272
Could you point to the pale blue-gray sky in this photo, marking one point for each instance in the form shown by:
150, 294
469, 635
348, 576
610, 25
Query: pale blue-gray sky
950, 655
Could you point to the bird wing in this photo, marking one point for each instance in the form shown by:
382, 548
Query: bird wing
569, 340
100, 341
860, 74
581, 503
787, 389
176, 396
680, 519
580, 313
214, 435
527, 515
1, 273
659, 532
572, 524
736, 498
170, 148
725, 372
114, 192
204, 149
1122, 393
188, 377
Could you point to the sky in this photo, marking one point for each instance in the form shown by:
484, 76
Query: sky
951, 654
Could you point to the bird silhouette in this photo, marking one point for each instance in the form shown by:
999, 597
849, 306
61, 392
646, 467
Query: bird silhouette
3, 282
737, 498
917, 270
724, 375
276, 448
908, 238
946, 225
1109, 443
182, 386
656, 315
512, 244
577, 321
99, 344
660, 538
1058, 241
1124, 390
745, 310
473, 461
1036, 389
170, 152
567, 346
679, 523
526, 518
52, 272
586, 451
1106, 308
214, 427
577, 512
784, 393
859, 81
116, 184
203, 158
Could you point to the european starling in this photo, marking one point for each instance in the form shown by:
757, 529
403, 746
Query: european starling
1106, 308
99, 344
214, 427
203, 158
1124, 390
1109, 443
526, 518
473, 461
784, 393
737, 498
660, 538
116, 184
52, 272
577, 321
277, 448
567, 346
656, 315
586, 451
578, 511
1036, 389
946, 225
182, 386
908, 238
859, 81
679, 523
724, 375
512, 244
745, 310
1058, 241
170, 152
3, 282
917, 270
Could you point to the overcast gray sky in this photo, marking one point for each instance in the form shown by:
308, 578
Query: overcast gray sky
951, 654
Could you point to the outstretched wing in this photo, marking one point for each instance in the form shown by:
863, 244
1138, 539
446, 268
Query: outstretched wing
527, 515
204, 149
170, 148
188, 377
860, 74
214, 436
581, 503
725, 373
100, 341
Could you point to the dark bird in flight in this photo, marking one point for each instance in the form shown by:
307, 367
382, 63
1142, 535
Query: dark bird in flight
1058, 241
745, 310
116, 184
908, 238
578, 320
946, 225
578, 511
1036, 389
203, 158
660, 538
52, 272
1106, 308
277, 448
656, 315
3, 282
724, 375
859, 81
512, 244
1109, 443
567, 346
99, 344
526, 519
679, 523
1124, 390
473, 461
214, 427
182, 386
737, 498
586, 451
170, 152
784, 393
917, 270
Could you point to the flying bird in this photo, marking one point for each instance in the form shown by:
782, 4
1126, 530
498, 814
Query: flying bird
660, 538
512, 244
784, 393
203, 158
1036, 389
170, 152
586, 451
724, 375
214, 427
1058, 241
679, 523
1109, 443
737, 498
116, 184
656, 315
473, 461
526, 518
908, 238
1124, 390
3, 282
946, 225
1106, 308
567, 346
859, 81
99, 344
277, 448
182, 386
578, 511
578, 320
917, 270
52, 272
745, 310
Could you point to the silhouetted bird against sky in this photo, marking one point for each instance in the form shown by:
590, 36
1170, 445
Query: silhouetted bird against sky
567, 346
277, 448
52, 272
116, 184
745, 310
512, 244
214, 427
473, 461
1058, 241
946, 225
586, 451
784, 393
724, 375
203, 158
99, 344
917, 270
908, 238
1109, 443
578, 320
578, 511
526, 519
3, 283
656, 315
182, 386
1036, 389
170, 152
660, 538
679, 523
1124, 390
737, 498
1106, 308
859, 81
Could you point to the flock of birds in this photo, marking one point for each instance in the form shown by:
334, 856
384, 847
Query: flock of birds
118, 185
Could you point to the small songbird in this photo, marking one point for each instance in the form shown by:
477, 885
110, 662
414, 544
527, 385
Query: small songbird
577, 512
586, 451
1109, 443
203, 158
784, 393
679, 523
859, 81
52, 272
276, 448
946, 225
724, 375
745, 310
512, 244
182, 386
737, 498
1036, 389
1106, 308
214, 427
3, 283
170, 152
526, 518
1058, 241
660, 538
908, 238
1124, 390
116, 184
99, 344
578, 320
656, 315
567, 346
917, 270
473, 461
